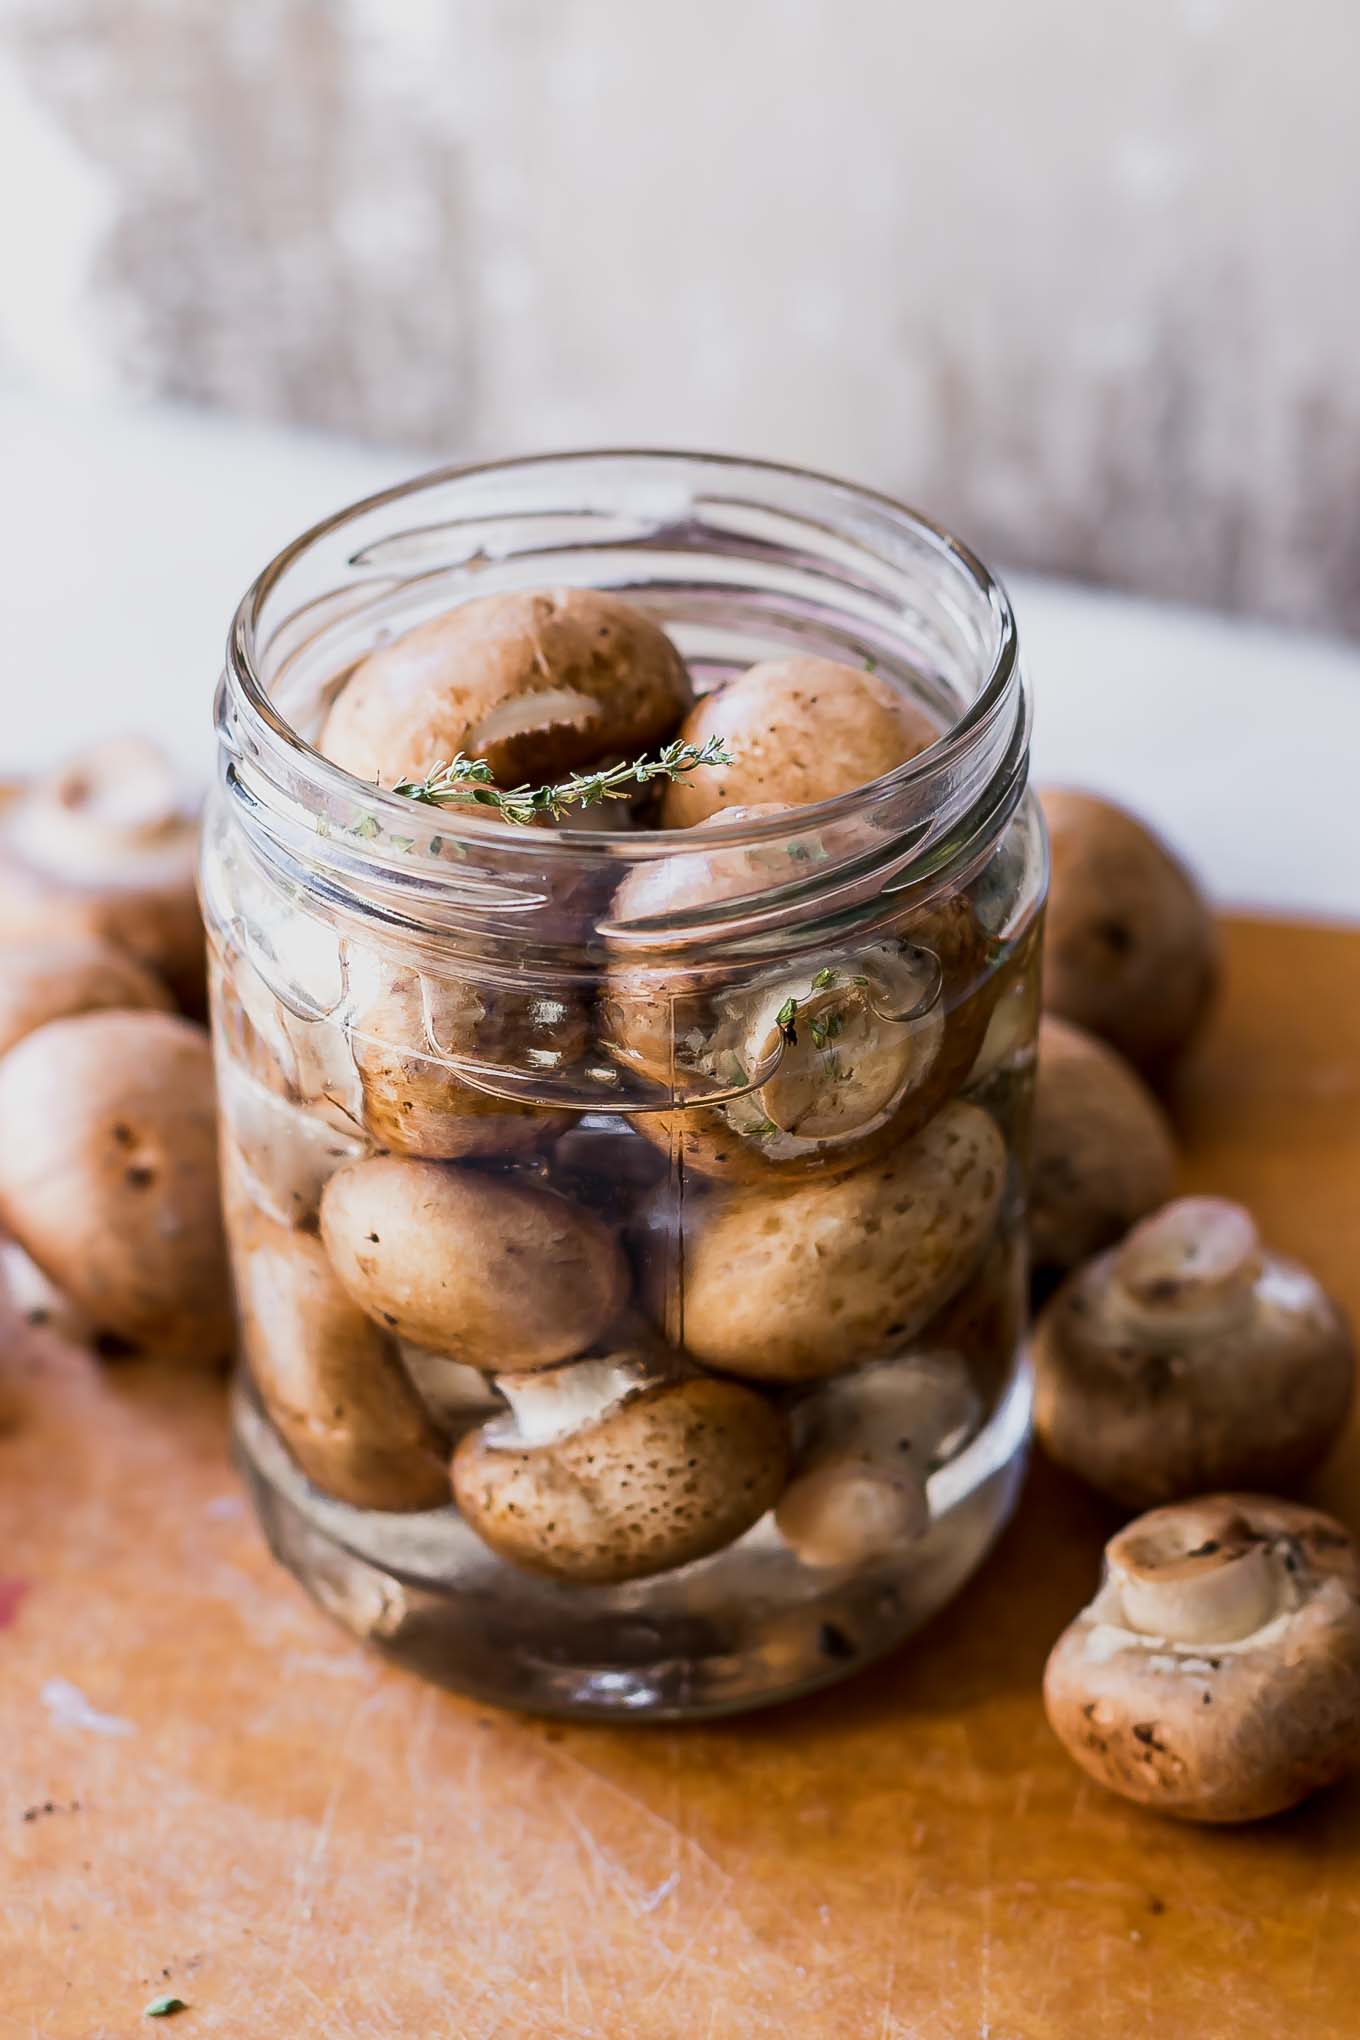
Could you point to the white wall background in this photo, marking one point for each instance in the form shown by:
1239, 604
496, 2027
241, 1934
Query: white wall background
1082, 279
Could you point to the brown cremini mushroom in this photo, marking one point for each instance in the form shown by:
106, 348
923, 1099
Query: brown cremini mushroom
108, 1175
798, 730
537, 682
331, 1383
1102, 1154
865, 1446
1189, 1358
497, 1274
601, 1472
792, 1284
50, 980
106, 849
415, 1100
1216, 1674
817, 1063
1130, 949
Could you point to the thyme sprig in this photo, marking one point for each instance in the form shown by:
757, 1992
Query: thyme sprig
470, 780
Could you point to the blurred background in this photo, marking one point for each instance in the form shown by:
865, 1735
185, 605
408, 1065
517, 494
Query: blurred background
1082, 280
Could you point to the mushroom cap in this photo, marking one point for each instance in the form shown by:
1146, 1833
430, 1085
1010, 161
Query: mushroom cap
1205, 1727
108, 1175
861, 1043
104, 849
1189, 1358
501, 1275
1130, 950
666, 1474
331, 1383
1102, 1154
796, 1283
416, 1103
50, 980
536, 681
799, 730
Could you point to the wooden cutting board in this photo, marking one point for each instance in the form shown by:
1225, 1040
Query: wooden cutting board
209, 1791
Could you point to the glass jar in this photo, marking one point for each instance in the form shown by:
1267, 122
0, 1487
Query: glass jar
666, 1185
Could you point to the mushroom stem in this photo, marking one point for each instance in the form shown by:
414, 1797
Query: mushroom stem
559, 1400
847, 1510
1205, 1579
1194, 1259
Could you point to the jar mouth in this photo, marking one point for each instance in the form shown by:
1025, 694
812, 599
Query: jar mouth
869, 534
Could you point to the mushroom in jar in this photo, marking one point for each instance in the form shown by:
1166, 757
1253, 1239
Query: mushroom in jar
865, 1446
1189, 1358
332, 1385
105, 849
603, 1472
1130, 950
797, 731
50, 980
814, 1065
536, 681
1101, 1155
108, 1175
498, 1274
1216, 1674
406, 1042
795, 1283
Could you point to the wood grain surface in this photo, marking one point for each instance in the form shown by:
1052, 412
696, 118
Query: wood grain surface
207, 1790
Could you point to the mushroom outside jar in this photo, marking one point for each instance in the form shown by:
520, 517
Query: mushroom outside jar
1191, 1357
1216, 1675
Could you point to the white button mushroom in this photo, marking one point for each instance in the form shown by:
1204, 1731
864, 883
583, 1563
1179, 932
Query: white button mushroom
792, 1284
865, 1445
797, 730
1101, 1154
106, 848
1130, 949
603, 1473
108, 1175
495, 1273
536, 682
331, 1384
1216, 1675
1190, 1358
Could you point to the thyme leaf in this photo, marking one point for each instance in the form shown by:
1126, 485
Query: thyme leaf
470, 780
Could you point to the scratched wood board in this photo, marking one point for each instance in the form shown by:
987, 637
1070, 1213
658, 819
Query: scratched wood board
209, 1791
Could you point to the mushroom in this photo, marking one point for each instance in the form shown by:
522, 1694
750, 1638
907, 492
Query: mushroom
1216, 1674
798, 730
454, 1393
865, 1445
601, 1472
415, 1100
108, 1175
278, 1156
535, 681
332, 1385
32, 1299
497, 1274
105, 848
1130, 950
791, 1284
1188, 1358
816, 1063
49, 980
1102, 1154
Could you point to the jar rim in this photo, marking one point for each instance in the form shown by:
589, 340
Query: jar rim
246, 689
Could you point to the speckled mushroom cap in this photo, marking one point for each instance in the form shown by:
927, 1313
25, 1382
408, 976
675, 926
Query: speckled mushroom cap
1216, 1675
794, 1284
1190, 1358
1130, 949
663, 1473
1102, 1154
536, 681
798, 730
